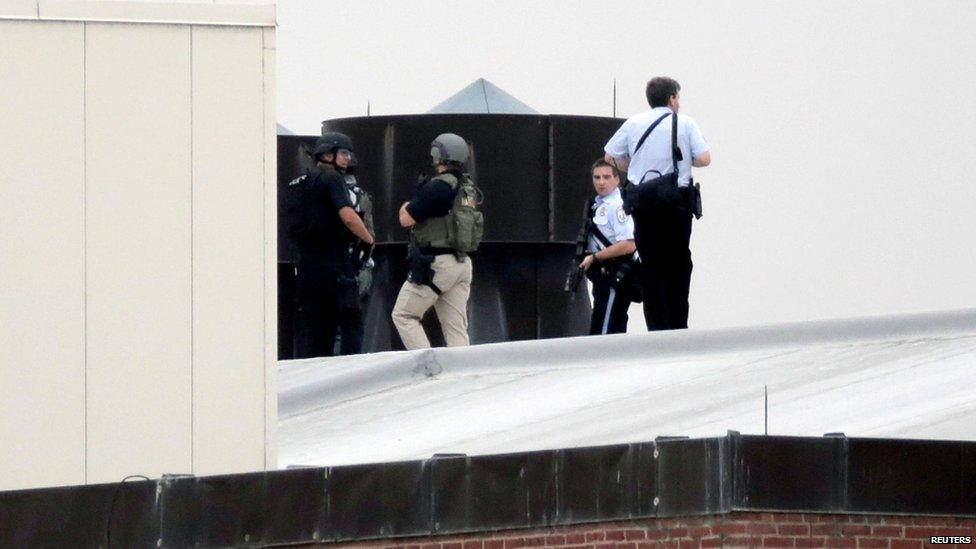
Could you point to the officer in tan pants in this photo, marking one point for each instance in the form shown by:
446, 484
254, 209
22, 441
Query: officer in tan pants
440, 276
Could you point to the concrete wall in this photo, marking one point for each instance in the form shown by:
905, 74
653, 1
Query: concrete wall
137, 250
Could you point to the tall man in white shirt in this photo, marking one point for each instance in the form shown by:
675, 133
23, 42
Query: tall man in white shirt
662, 217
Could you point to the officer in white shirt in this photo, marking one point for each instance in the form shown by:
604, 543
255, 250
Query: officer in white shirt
662, 231
610, 241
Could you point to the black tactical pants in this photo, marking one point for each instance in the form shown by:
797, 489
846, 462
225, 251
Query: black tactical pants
662, 238
320, 314
609, 308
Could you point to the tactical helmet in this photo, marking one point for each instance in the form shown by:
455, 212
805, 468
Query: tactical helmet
449, 147
330, 141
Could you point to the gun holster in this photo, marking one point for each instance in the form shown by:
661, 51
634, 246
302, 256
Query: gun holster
696, 199
348, 298
421, 270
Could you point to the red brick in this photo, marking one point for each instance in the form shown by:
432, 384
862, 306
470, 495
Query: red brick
856, 530
758, 517
656, 534
430, 546
793, 529
494, 544
811, 542
929, 521
699, 531
604, 545
634, 534
761, 528
906, 544
777, 542
615, 535
841, 542
787, 517
553, 540
452, 545
825, 529
729, 528
857, 519
742, 541
915, 532
573, 538
537, 541
833, 518
872, 542
514, 542
596, 536
474, 544
678, 532
689, 544
713, 541
625, 545
887, 531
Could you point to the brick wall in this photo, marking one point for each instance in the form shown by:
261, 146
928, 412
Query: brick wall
729, 530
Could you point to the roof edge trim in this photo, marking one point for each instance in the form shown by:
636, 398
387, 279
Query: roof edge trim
127, 11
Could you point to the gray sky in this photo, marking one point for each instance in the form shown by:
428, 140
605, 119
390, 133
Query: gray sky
841, 182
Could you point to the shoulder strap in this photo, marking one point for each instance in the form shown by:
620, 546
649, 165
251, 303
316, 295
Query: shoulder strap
598, 234
449, 178
649, 130
675, 151
590, 226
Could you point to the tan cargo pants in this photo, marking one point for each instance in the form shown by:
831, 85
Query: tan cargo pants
453, 277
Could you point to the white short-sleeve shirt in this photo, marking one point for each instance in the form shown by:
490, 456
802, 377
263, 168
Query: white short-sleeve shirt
655, 153
609, 218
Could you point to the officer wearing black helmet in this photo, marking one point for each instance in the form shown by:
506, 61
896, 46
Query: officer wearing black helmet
326, 227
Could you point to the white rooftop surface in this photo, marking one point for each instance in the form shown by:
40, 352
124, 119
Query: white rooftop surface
901, 377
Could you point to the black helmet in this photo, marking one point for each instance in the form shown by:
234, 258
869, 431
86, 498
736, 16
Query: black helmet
330, 141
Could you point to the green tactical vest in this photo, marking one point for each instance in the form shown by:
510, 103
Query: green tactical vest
463, 226
432, 232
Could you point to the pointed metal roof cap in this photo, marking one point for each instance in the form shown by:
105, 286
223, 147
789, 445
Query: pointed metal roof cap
482, 97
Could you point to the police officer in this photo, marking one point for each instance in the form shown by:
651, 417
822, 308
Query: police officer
439, 277
351, 316
610, 243
329, 227
660, 145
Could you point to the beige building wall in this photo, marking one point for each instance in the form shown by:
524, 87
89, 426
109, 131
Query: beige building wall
137, 279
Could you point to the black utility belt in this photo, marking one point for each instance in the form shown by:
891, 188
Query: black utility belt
438, 251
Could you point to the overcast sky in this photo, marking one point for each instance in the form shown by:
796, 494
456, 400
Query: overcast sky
841, 184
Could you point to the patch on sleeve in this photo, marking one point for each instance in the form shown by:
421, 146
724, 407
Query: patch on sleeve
621, 215
600, 216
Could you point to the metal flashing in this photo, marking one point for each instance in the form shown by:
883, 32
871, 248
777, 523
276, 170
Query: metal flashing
457, 494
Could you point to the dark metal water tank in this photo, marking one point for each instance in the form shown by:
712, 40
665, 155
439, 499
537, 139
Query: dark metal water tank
534, 172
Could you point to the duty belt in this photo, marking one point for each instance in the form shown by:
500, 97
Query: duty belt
437, 251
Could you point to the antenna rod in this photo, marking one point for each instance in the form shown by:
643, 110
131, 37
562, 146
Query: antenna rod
367, 107
615, 98
766, 415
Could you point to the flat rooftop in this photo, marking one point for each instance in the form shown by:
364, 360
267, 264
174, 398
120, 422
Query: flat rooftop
908, 376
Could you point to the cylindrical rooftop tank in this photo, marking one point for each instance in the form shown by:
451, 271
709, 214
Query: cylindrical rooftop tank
534, 172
